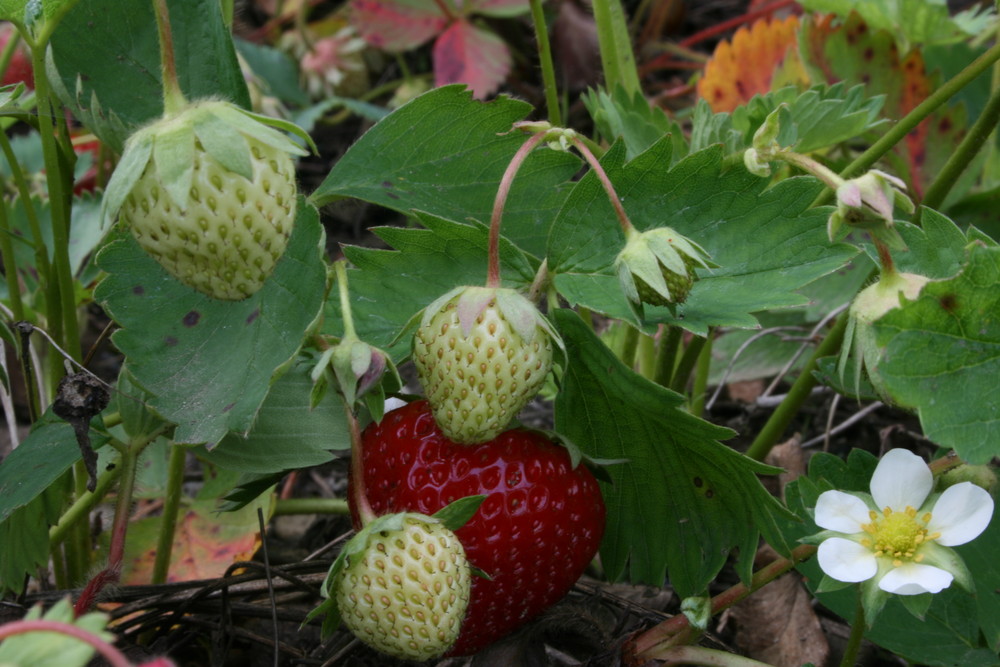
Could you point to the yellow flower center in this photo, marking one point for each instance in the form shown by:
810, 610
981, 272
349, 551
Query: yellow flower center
898, 535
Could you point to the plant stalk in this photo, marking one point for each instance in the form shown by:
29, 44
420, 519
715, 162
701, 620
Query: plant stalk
493, 266
970, 145
797, 395
168, 518
79, 511
912, 119
687, 363
617, 59
545, 58
699, 391
646, 645
857, 634
173, 97
358, 492
666, 355
311, 506
345, 300
602, 176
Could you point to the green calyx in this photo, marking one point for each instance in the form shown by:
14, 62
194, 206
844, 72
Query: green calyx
656, 267
868, 306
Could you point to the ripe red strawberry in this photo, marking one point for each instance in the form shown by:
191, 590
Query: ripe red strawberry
539, 527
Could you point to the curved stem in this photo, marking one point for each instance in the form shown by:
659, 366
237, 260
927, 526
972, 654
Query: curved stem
626, 224
493, 267
912, 119
977, 137
114, 657
545, 58
173, 98
80, 509
797, 395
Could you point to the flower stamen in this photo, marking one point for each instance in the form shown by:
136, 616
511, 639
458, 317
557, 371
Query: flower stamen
897, 534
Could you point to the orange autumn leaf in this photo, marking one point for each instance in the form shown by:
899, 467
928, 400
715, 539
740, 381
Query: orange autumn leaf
746, 67
206, 543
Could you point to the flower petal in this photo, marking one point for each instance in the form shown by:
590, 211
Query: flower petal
845, 560
961, 513
914, 579
842, 512
901, 479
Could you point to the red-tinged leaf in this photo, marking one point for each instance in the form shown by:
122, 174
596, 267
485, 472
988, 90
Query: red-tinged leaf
206, 543
852, 52
501, 8
473, 56
397, 25
749, 65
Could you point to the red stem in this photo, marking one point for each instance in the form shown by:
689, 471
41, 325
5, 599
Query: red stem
606, 182
114, 657
735, 21
365, 511
493, 267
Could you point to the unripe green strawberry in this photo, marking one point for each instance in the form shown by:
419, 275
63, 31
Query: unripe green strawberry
481, 354
210, 193
868, 306
656, 267
405, 593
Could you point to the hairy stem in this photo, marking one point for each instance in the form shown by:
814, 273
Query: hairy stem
358, 491
493, 267
173, 97
602, 176
857, 634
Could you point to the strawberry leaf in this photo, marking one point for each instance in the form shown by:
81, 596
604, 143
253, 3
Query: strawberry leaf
473, 56
107, 57
207, 362
768, 242
444, 153
682, 500
942, 357
397, 25
288, 434
385, 295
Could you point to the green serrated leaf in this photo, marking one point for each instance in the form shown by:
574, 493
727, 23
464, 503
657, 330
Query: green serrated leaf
41, 458
209, 363
768, 242
637, 122
682, 501
288, 434
444, 153
106, 57
388, 287
942, 357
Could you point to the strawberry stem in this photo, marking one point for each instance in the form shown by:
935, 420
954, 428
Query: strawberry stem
626, 224
173, 98
340, 267
493, 268
358, 492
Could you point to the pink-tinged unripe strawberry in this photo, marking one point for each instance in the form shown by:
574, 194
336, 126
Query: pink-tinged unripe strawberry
210, 193
481, 354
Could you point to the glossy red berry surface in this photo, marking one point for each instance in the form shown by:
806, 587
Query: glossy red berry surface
538, 529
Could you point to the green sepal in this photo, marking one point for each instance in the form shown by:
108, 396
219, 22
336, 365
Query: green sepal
830, 585
173, 154
698, 611
254, 126
456, 514
873, 598
130, 168
285, 126
225, 144
917, 604
948, 559
476, 572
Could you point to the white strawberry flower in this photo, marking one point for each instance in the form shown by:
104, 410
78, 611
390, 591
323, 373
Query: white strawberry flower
899, 537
